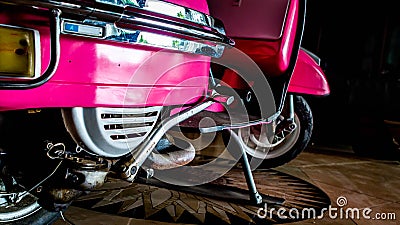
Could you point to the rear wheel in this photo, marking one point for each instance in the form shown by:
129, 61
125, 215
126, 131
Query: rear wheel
285, 150
20, 207
23, 166
31, 214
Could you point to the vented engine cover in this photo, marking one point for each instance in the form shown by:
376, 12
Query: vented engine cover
110, 132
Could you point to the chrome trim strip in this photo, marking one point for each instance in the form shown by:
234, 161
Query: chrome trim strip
187, 36
166, 8
113, 33
135, 18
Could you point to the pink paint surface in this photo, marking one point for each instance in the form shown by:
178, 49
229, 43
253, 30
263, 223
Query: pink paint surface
94, 73
272, 49
199, 5
308, 77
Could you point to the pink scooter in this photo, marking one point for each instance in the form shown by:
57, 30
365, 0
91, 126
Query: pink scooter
97, 88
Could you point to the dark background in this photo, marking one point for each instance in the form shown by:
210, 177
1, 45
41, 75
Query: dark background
359, 45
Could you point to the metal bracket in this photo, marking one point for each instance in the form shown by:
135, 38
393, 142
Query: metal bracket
128, 167
240, 125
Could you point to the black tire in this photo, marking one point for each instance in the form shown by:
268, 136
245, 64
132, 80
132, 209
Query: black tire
304, 121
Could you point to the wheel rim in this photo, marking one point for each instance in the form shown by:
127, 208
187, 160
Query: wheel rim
273, 152
15, 211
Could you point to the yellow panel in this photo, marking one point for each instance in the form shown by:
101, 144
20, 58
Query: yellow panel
17, 56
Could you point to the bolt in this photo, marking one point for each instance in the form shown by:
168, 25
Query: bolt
73, 178
149, 173
248, 96
133, 170
56, 12
230, 100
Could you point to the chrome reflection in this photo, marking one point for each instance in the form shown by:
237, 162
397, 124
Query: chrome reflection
166, 8
138, 22
109, 31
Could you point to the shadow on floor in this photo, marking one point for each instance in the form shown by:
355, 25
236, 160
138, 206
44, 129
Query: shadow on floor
316, 177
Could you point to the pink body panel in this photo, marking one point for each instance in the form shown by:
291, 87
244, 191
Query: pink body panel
272, 45
97, 73
271, 52
199, 5
308, 77
252, 18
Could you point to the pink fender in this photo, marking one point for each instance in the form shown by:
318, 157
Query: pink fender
308, 77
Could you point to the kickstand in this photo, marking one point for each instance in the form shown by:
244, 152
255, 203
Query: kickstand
255, 197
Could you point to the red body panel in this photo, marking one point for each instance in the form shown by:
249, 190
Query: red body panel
267, 46
270, 49
251, 18
308, 77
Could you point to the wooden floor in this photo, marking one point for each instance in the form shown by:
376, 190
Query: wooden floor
315, 179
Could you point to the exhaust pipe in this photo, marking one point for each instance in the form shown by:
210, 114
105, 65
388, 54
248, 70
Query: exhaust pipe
171, 154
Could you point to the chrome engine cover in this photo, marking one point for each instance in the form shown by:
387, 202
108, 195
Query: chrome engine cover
110, 132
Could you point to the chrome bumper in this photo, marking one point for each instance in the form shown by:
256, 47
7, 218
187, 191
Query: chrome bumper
154, 23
